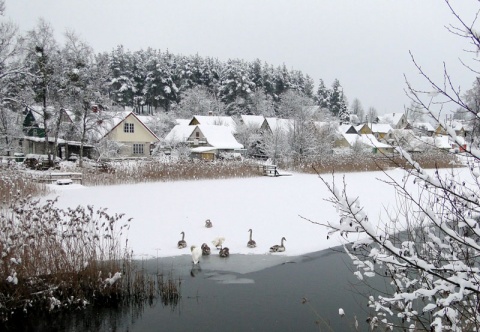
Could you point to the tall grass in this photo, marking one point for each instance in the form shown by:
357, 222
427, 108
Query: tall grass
366, 162
13, 183
53, 258
152, 170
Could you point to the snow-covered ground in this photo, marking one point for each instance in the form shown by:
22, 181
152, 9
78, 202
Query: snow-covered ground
271, 207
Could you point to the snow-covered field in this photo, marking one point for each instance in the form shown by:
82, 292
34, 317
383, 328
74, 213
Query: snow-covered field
271, 207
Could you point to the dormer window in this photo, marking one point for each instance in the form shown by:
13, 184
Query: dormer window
128, 128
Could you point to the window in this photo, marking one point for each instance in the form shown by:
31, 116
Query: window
128, 127
138, 149
197, 134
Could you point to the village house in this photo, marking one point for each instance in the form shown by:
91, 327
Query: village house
133, 137
396, 120
214, 120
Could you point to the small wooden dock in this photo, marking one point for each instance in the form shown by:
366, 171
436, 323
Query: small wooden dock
269, 170
60, 178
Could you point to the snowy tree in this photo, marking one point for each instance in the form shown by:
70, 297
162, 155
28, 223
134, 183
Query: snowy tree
198, 101
261, 103
427, 247
414, 113
372, 115
44, 64
275, 145
337, 101
357, 109
10, 128
83, 85
323, 96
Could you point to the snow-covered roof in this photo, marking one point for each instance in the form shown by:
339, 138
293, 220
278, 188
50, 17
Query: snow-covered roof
254, 121
179, 133
219, 137
367, 139
343, 128
226, 121
279, 124
441, 142
380, 127
392, 118
183, 121
425, 126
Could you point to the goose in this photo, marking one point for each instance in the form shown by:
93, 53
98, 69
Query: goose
224, 252
251, 243
218, 241
196, 254
182, 243
208, 223
205, 249
278, 248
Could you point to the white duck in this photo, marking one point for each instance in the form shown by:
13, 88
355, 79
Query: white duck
218, 242
251, 243
278, 248
196, 254
182, 243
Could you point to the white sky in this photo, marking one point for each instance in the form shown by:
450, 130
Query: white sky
365, 44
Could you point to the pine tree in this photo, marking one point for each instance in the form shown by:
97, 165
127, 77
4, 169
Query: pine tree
322, 97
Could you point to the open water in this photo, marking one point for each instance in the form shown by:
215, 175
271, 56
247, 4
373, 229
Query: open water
238, 293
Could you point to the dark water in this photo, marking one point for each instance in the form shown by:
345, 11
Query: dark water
215, 299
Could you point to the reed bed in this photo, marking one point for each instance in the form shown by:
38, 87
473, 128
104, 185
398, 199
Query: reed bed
52, 259
130, 172
367, 163
13, 183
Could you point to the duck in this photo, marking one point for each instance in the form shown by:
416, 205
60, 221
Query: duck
251, 243
196, 254
278, 248
208, 223
224, 252
218, 242
205, 249
182, 243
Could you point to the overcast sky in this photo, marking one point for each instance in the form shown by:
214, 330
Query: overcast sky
365, 44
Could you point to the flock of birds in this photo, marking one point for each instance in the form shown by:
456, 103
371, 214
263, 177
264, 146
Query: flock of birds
205, 250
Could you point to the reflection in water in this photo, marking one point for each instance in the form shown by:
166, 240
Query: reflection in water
284, 297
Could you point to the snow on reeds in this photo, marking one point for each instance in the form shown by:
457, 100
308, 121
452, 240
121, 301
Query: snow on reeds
153, 170
53, 258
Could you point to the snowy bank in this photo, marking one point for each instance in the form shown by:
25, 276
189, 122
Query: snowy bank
271, 207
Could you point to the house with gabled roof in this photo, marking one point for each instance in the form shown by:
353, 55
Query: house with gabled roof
133, 137
252, 121
396, 120
423, 128
271, 125
381, 131
208, 142
178, 135
363, 129
214, 120
459, 128
369, 141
